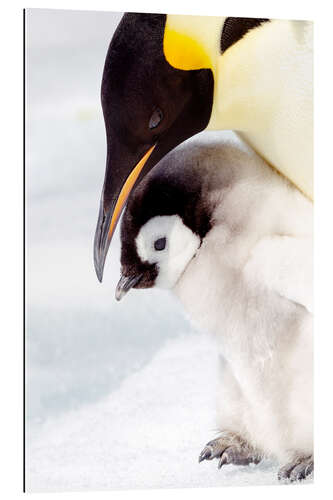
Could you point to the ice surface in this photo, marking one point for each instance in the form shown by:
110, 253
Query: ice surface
146, 434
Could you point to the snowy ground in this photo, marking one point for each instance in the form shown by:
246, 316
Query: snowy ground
118, 395
146, 434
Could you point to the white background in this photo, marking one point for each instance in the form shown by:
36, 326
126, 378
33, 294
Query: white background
11, 211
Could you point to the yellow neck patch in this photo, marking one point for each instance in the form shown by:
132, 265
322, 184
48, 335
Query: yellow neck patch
184, 52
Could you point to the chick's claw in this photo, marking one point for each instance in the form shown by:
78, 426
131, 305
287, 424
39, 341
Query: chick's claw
229, 449
213, 449
296, 470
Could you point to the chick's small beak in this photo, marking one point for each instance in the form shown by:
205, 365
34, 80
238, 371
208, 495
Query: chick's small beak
125, 284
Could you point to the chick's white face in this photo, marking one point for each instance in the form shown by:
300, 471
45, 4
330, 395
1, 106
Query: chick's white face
168, 243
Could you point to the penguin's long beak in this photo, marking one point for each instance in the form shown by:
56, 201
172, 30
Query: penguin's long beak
109, 217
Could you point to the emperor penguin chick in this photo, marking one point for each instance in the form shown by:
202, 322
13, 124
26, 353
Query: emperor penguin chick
233, 240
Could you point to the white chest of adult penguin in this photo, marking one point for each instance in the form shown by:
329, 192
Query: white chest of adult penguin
169, 77
233, 240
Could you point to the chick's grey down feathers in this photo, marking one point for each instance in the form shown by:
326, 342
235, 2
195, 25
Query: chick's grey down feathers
239, 258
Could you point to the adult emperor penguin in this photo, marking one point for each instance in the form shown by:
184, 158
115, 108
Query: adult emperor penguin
233, 240
167, 77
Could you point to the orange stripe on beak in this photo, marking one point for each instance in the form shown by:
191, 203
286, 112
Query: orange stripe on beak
126, 189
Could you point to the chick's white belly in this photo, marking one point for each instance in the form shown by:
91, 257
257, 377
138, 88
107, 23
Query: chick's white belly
265, 347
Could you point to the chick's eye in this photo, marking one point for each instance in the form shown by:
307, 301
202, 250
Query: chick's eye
155, 118
160, 244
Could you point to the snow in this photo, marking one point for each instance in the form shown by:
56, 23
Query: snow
119, 395
146, 434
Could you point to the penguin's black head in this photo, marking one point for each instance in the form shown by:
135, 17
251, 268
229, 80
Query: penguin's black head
164, 223
149, 108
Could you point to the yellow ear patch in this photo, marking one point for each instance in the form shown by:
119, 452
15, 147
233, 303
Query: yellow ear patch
184, 52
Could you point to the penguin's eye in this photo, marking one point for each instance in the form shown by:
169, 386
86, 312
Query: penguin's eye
155, 118
160, 244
